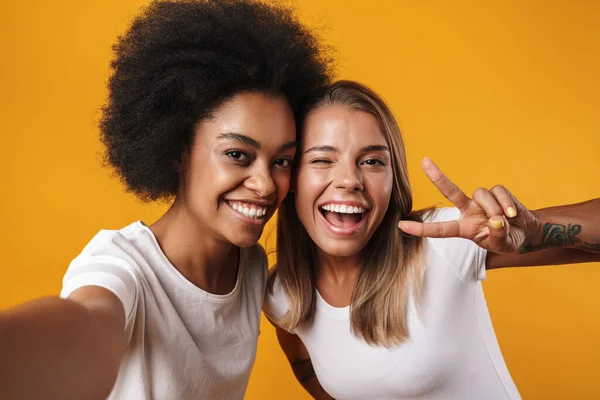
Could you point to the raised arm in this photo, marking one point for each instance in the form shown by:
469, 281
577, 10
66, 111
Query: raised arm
63, 349
565, 234
515, 235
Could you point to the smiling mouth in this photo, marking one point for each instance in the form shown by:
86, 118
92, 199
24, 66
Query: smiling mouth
342, 216
249, 210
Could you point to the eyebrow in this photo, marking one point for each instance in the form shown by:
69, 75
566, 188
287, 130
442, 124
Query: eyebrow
366, 149
238, 137
375, 147
323, 148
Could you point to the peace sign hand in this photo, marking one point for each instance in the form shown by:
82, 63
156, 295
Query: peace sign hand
484, 219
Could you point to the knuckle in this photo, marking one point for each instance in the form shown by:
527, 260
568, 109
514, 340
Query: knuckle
440, 230
479, 192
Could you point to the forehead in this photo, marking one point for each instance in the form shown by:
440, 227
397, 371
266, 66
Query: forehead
342, 126
259, 115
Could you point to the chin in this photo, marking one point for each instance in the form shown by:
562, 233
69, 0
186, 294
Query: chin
341, 250
245, 240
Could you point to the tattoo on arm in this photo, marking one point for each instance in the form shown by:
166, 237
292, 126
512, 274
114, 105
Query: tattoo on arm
557, 235
592, 247
304, 372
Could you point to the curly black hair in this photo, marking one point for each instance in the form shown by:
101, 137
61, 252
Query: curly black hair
179, 60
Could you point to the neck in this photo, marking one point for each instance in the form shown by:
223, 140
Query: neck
208, 262
336, 277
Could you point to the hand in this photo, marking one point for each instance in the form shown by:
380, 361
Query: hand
494, 219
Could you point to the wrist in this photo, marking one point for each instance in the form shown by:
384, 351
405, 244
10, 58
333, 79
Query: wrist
534, 233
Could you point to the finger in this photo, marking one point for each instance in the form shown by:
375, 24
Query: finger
432, 229
488, 202
498, 228
485, 232
506, 200
445, 185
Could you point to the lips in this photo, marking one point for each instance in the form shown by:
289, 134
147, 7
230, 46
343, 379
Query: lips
250, 213
343, 219
249, 210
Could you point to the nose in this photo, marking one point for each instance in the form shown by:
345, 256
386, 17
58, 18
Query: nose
261, 182
348, 177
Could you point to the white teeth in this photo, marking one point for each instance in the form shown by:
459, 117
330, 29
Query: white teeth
252, 212
343, 209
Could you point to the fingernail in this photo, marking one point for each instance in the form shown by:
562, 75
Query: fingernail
497, 224
511, 212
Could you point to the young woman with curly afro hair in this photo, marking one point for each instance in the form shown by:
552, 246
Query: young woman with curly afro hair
202, 108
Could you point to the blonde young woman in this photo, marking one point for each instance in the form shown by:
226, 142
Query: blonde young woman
364, 310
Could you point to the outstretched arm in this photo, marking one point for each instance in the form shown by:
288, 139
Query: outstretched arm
513, 234
56, 348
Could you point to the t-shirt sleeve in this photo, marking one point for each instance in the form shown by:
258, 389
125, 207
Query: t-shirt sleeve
463, 255
276, 305
104, 263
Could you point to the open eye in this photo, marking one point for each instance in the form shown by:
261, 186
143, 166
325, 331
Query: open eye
237, 155
373, 161
284, 162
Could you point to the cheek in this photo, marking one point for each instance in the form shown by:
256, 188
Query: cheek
282, 181
205, 170
381, 189
210, 178
309, 184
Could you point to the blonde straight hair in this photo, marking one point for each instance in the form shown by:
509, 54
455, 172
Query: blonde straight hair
393, 266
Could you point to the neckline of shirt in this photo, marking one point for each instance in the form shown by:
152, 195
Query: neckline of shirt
175, 272
337, 313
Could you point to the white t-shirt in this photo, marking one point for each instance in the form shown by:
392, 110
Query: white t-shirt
452, 353
184, 343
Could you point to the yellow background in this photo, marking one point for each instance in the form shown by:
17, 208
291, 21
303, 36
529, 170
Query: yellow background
494, 92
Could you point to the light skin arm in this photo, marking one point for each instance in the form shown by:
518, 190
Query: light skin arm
514, 235
63, 349
299, 359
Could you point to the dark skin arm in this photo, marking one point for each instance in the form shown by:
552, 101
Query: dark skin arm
54, 348
514, 235
299, 359
564, 235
